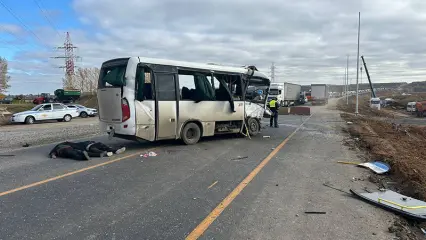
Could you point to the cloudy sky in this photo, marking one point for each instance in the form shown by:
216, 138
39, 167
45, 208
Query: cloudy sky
308, 40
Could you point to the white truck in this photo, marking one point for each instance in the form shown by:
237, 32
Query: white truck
287, 94
319, 94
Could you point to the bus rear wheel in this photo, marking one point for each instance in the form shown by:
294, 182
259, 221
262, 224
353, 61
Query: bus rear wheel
191, 133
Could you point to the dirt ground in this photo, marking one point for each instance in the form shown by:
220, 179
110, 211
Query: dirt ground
403, 147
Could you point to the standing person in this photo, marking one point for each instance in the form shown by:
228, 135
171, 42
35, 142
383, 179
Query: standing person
65, 150
274, 106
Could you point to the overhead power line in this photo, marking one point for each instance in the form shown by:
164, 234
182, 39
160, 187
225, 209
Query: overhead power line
46, 16
20, 20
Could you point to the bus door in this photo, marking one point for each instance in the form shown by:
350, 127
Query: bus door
144, 104
166, 100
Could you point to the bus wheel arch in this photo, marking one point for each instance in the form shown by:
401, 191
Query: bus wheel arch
191, 132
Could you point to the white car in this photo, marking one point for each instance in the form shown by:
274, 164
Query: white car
47, 111
83, 111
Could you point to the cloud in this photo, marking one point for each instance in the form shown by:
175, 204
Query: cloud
307, 40
10, 28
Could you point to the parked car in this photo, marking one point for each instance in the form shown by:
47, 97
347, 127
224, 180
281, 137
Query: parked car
6, 100
83, 111
47, 111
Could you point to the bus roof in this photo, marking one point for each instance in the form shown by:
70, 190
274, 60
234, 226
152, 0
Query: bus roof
211, 67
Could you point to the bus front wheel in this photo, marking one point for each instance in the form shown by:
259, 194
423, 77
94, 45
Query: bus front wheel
191, 133
253, 126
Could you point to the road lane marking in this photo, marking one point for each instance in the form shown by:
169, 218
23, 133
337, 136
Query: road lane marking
213, 215
212, 185
73, 172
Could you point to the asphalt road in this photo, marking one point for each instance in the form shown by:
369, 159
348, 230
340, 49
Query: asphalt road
167, 196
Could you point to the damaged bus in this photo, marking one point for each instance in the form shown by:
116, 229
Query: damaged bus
153, 99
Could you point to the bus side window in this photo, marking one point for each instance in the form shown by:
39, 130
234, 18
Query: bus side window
233, 84
195, 86
166, 87
147, 89
143, 85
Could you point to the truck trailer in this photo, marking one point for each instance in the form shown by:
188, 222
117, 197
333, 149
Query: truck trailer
287, 94
319, 94
67, 95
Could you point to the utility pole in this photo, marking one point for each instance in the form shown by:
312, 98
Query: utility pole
344, 84
273, 72
357, 64
347, 78
69, 61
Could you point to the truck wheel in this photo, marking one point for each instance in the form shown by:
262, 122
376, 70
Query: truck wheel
191, 133
29, 120
253, 126
83, 114
67, 118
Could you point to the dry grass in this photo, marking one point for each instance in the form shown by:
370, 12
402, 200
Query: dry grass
363, 108
89, 101
403, 147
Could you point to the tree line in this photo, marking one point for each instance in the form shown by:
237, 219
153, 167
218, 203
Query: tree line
4, 76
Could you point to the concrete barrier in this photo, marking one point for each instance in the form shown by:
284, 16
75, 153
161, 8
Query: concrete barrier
284, 111
300, 111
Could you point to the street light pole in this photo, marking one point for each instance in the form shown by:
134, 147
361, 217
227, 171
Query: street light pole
357, 64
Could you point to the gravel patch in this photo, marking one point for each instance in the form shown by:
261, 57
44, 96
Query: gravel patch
12, 138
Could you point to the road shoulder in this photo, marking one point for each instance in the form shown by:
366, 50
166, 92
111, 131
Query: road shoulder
273, 205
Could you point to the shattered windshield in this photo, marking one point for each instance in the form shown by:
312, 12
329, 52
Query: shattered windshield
256, 92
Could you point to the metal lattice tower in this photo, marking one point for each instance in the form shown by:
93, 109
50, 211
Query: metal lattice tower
273, 72
69, 62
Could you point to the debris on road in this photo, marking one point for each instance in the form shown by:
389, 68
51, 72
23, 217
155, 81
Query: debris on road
149, 154
239, 158
314, 212
266, 136
340, 190
408, 207
212, 184
353, 163
376, 166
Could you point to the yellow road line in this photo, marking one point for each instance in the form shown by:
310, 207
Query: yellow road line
202, 227
212, 185
71, 173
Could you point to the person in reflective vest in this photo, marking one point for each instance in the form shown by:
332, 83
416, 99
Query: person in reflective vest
274, 106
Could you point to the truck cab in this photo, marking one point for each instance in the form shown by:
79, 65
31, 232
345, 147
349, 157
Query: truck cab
276, 91
375, 103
